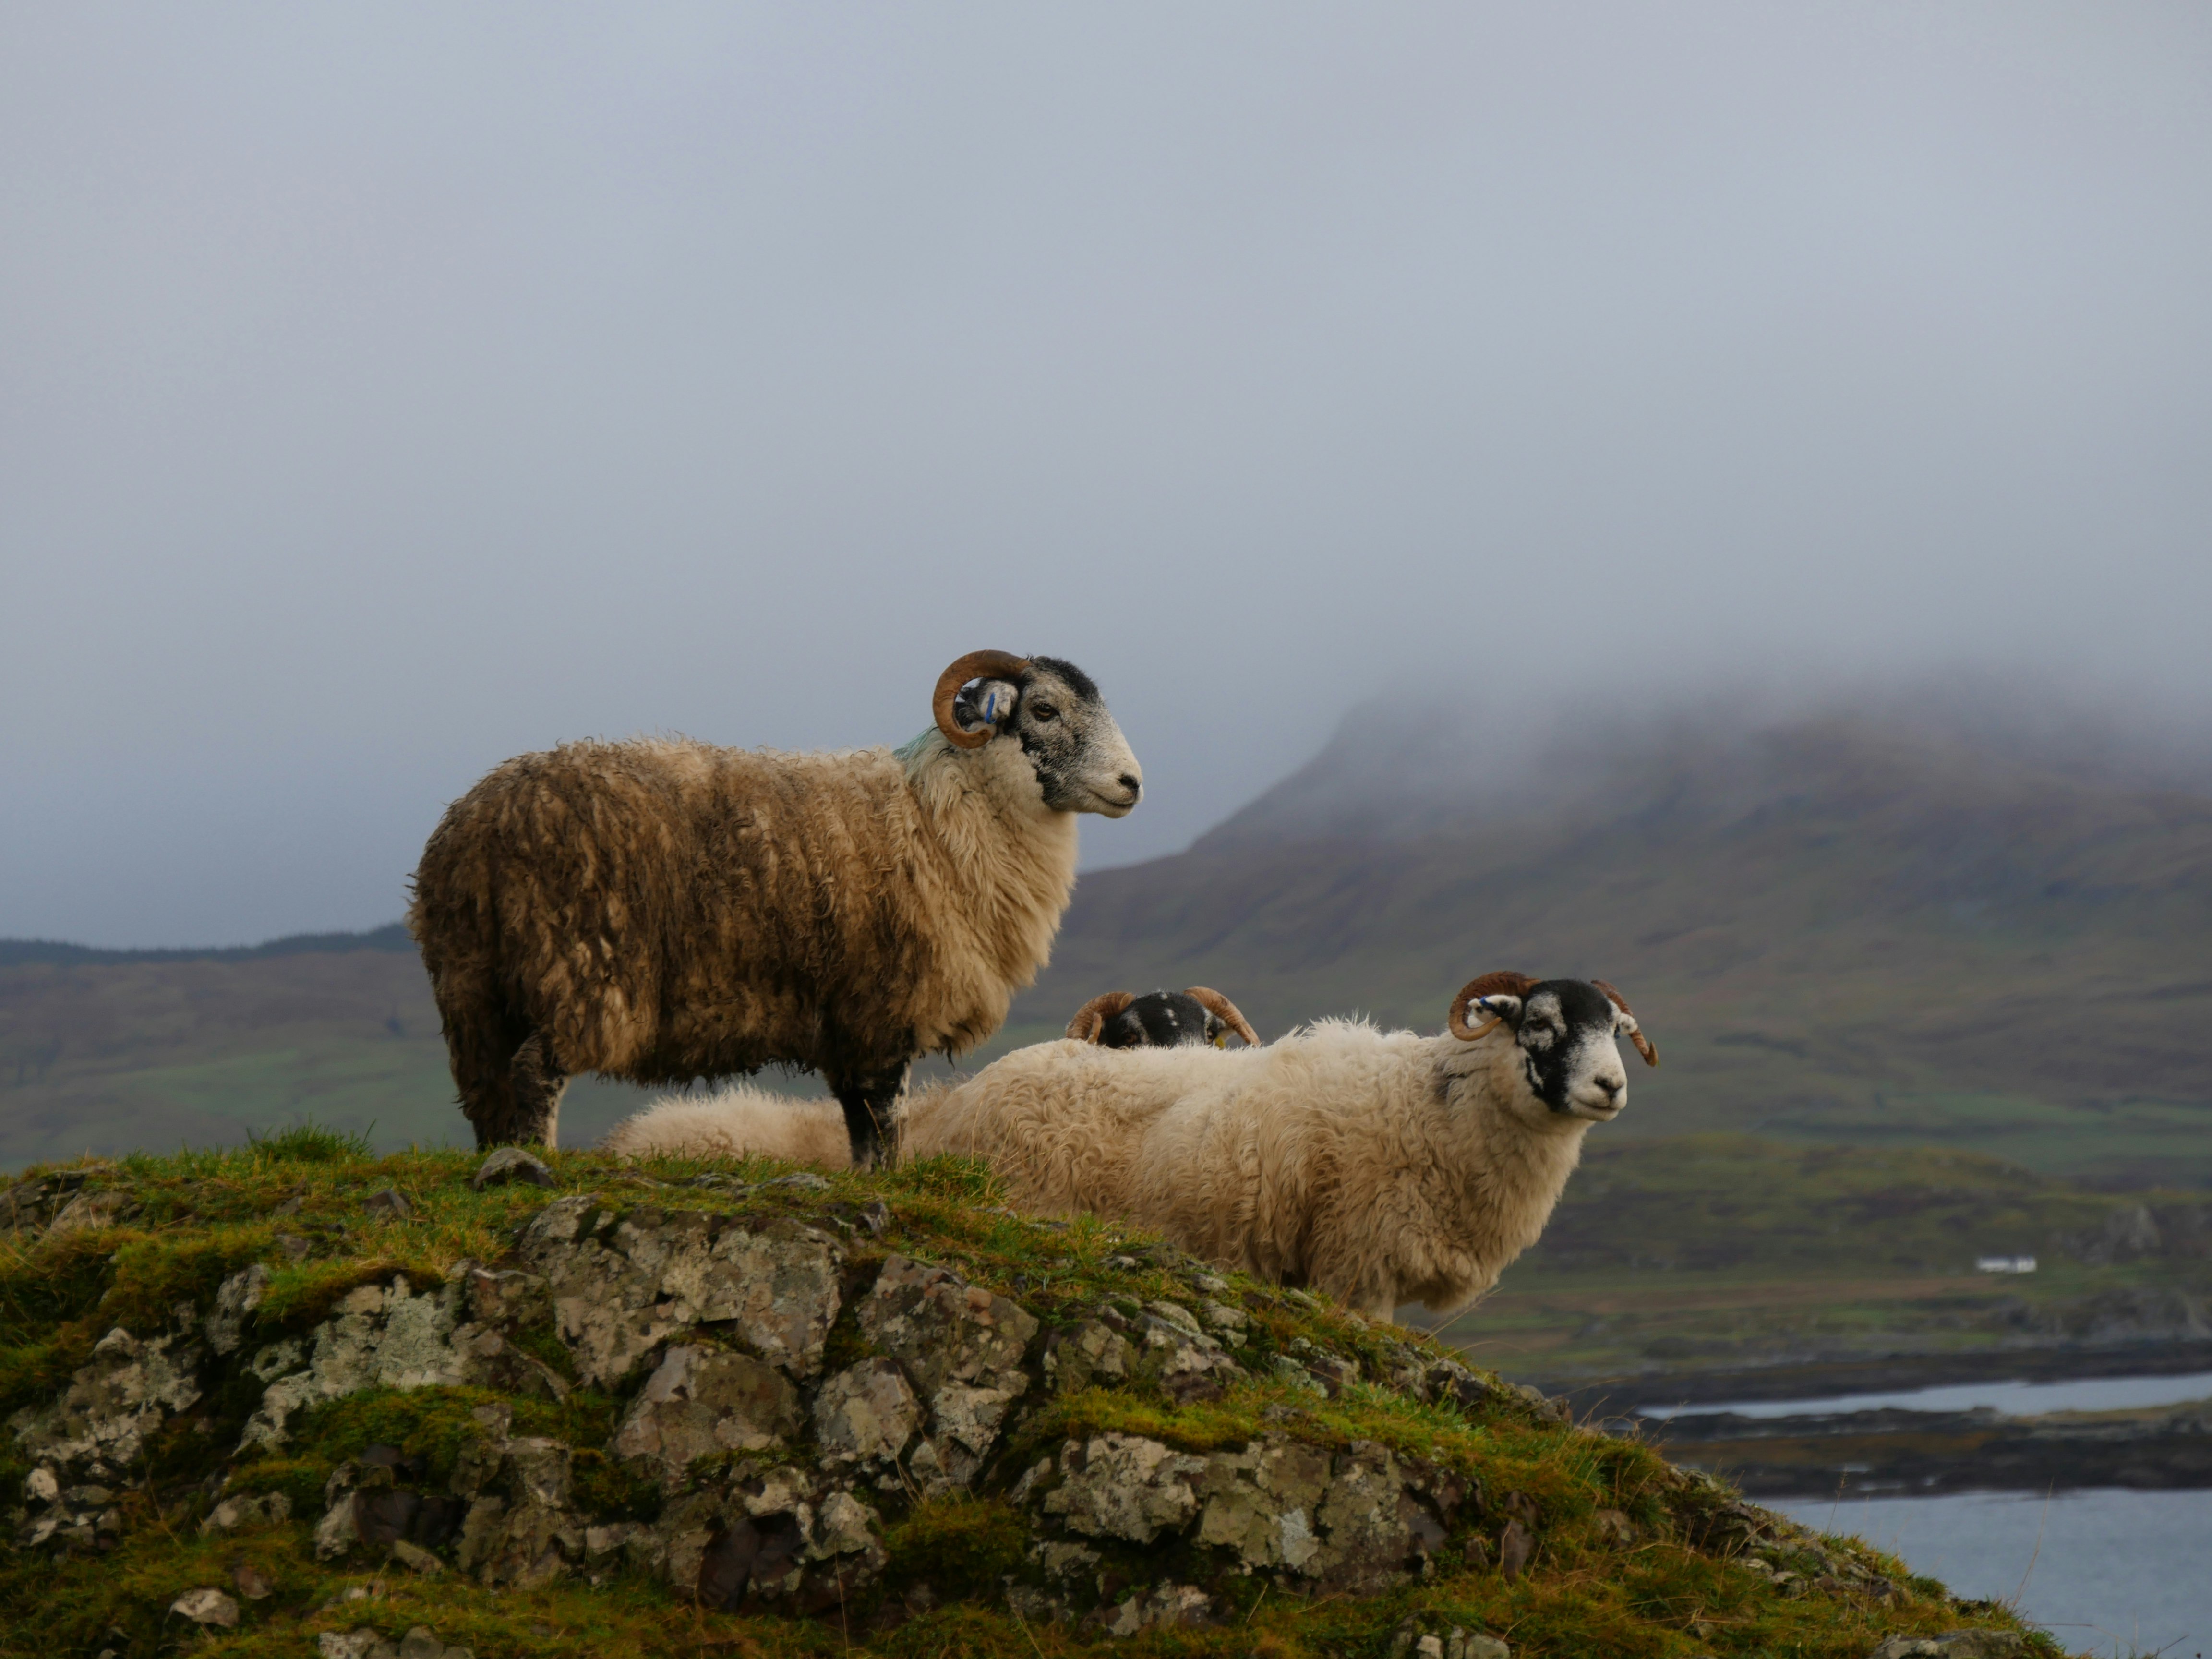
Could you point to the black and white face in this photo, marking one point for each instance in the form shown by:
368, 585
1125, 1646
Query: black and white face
1082, 761
1565, 1030
1163, 1019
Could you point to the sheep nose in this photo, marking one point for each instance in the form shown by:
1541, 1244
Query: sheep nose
1611, 1085
1131, 782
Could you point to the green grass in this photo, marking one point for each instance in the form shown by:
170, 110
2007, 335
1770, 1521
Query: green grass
1677, 1592
1709, 1251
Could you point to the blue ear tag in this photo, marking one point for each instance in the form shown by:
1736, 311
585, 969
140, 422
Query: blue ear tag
991, 707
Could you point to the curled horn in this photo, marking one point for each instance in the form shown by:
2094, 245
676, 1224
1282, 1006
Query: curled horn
1504, 982
975, 666
1223, 1009
1090, 1018
1635, 1031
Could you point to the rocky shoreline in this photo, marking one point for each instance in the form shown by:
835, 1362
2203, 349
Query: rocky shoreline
1825, 1378
1901, 1453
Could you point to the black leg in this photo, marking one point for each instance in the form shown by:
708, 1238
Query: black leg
536, 1084
869, 1102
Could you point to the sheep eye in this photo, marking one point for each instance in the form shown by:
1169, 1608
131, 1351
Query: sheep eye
1044, 711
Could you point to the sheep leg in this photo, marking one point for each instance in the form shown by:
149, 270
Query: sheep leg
869, 1124
535, 1083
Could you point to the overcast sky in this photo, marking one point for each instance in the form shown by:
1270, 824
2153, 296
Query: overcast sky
387, 390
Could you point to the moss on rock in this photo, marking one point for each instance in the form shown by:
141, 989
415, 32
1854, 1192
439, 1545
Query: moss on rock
726, 1405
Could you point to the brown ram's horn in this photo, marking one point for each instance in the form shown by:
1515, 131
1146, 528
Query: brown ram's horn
1504, 982
1635, 1031
975, 666
1090, 1018
1223, 1009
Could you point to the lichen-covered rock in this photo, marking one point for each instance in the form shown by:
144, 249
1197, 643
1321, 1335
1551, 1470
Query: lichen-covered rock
27, 1205
419, 1643
504, 1301
1408, 1642
1955, 1645
390, 1337
1156, 1605
86, 1516
377, 1500
867, 1415
1377, 1530
521, 1543
487, 1359
1171, 1350
963, 1348
1359, 1521
778, 1539
266, 1509
379, 1337
234, 1300
89, 1211
1226, 1322
1088, 1353
703, 1400
99, 1426
620, 1287
207, 1608
1260, 1502
1124, 1485
1446, 1381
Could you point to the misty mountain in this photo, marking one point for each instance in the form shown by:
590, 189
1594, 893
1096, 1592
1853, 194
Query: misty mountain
1883, 926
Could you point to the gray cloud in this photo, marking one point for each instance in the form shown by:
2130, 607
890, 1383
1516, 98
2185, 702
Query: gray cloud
384, 392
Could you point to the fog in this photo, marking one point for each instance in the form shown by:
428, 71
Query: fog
384, 391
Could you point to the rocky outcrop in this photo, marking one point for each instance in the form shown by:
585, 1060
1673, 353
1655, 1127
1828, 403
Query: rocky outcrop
622, 1283
89, 1442
770, 1398
963, 1349
1356, 1520
774, 1467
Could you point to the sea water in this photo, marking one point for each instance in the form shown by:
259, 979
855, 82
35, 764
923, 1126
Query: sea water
2087, 1393
2105, 1570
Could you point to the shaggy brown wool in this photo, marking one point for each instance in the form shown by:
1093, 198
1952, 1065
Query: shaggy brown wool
660, 911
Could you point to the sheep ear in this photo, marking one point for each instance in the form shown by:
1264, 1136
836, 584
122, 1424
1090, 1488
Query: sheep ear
988, 703
1507, 1008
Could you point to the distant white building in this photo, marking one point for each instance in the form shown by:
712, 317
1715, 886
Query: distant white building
2005, 1264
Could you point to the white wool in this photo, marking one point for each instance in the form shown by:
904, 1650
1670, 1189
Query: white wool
736, 1122
1380, 1167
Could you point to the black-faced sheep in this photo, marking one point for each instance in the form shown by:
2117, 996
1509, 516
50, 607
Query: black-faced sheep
666, 910
1380, 1167
741, 1120
1160, 1019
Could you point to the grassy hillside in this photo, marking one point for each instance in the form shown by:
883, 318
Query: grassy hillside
109, 1052
299, 1397
1724, 1252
